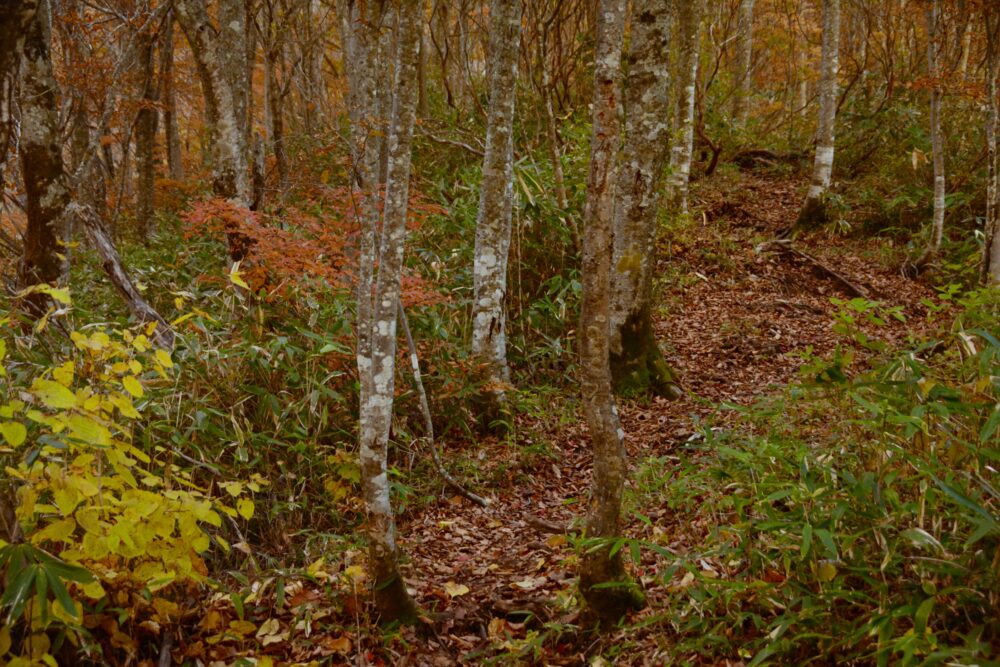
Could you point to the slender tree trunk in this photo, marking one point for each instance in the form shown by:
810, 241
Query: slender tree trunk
603, 580
990, 265
932, 13
496, 195
145, 137
391, 597
171, 133
46, 189
813, 210
744, 61
680, 158
637, 364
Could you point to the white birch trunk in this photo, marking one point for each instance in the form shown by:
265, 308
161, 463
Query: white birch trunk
813, 210
599, 567
496, 194
680, 156
391, 597
636, 360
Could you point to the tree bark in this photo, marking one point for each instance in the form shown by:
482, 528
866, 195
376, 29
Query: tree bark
744, 61
171, 133
932, 14
603, 580
46, 188
813, 210
689, 15
496, 196
392, 600
145, 136
637, 364
990, 265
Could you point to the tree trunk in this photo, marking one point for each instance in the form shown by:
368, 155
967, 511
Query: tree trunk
744, 61
680, 159
496, 196
603, 580
637, 364
145, 137
392, 600
933, 14
990, 265
46, 189
171, 133
813, 210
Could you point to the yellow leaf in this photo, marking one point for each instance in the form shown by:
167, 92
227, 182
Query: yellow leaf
53, 395
59, 531
236, 278
163, 357
64, 374
242, 627
454, 590
245, 507
13, 432
66, 500
89, 431
826, 571
4, 639
132, 386
269, 627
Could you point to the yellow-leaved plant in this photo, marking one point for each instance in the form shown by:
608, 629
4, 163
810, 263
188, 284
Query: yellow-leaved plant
99, 516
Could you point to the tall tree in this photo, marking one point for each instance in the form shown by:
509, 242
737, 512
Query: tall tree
46, 189
391, 597
603, 580
812, 210
744, 61
689, 30
496, 194
219, 72
171, 132
145, 132
637, 364
932, 15
990, 265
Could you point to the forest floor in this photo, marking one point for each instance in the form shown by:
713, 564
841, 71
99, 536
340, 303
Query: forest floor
736, 323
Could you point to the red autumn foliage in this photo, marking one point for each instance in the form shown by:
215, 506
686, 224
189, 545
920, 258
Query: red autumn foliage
314, 241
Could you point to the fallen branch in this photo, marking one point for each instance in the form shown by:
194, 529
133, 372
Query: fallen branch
543, 526
418, 384
451, 142
785, 246
112, 263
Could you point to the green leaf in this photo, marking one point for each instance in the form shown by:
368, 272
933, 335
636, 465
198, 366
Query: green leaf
921, 538
807, 539
827, 539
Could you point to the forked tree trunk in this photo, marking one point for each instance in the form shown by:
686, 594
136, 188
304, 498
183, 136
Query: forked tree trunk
689, 15
496, 196
46, 188
224, 106
813, 210
637, 364
744, 61
990, 265
603, 580
932, 14
391, 597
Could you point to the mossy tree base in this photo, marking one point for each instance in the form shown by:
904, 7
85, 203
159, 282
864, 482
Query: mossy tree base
607, 589
393, 602
813, 214
640, 368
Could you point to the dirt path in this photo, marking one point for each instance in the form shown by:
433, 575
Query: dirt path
736, 323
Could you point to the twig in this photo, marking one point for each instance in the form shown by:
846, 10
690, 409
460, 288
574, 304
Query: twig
452, 142
165, 659
418, 384
785, 246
